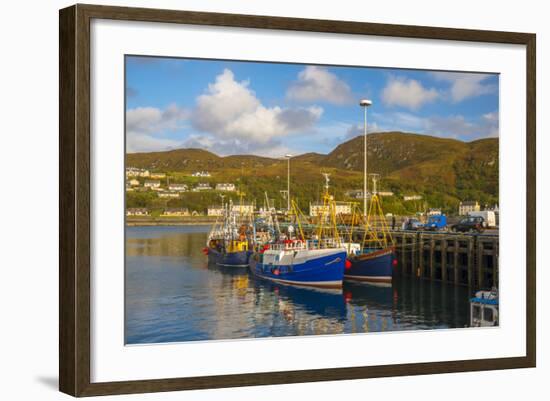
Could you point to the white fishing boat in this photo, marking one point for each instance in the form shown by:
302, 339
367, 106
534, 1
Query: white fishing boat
484, 309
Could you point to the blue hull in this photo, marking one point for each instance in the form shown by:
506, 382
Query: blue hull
326, 271
237, 259
373, 267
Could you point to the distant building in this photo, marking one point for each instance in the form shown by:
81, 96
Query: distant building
203, 186
412, 197
177, 187
158, 176
136, 172
173, 212
225, 187
201, 174
356, 194
136, 211
168, 194
318, 209
243, 208
152, 184
469, 206
133, 182
434, 212
215, 211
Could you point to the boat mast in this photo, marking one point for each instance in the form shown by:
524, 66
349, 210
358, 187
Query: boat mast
365, 103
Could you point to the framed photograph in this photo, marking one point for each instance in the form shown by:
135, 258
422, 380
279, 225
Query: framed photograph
250, 200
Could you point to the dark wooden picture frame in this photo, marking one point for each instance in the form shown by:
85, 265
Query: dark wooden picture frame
74, 202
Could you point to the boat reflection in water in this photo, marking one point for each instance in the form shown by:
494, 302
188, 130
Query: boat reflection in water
173, 294
323, 302
406, 304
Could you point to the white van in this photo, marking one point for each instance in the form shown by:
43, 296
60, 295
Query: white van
489, 218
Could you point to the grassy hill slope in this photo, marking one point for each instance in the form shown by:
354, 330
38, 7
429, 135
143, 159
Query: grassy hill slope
444, 171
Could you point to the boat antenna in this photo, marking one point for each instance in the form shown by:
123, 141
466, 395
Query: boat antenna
327, 180
375, 177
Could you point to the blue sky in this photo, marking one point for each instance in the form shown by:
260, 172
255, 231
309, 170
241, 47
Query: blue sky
271, 109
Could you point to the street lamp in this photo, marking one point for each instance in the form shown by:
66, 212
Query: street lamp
365, 103
287, 157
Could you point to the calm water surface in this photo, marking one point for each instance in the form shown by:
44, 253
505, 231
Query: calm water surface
172, 294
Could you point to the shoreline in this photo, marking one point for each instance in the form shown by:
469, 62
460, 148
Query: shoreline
169, 221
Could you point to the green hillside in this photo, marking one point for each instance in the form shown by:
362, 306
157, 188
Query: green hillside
443, 171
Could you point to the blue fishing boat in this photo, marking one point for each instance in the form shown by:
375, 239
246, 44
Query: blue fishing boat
371, 265
311, 263
316, 262
235, 254
372, 261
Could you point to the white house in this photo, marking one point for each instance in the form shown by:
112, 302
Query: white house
318, 209
201, 174
469, 206
168, 194
136, 172
177, 187
434, 212
215, 211
412, 197
152, 184
137, 211
158, 176
356, 194
203, 186
243, 208
385, 193
172, 212
225, 187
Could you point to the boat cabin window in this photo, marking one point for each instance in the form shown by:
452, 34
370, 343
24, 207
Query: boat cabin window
488, 314
476, 312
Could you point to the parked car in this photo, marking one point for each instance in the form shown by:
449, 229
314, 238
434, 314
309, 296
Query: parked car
489, 218
469, 224
436, 222
412, 224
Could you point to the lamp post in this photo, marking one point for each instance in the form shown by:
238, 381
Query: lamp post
365, 103
287, 157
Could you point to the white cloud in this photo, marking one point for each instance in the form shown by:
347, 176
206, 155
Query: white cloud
148, 143
229, 118
145, 127
230, 110
355, 130
273, 148
465, 85
453, 126
154, 120
319, 84
408, 93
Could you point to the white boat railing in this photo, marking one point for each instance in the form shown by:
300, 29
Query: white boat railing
294, 245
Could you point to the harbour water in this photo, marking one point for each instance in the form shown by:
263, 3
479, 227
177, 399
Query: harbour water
173, 295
